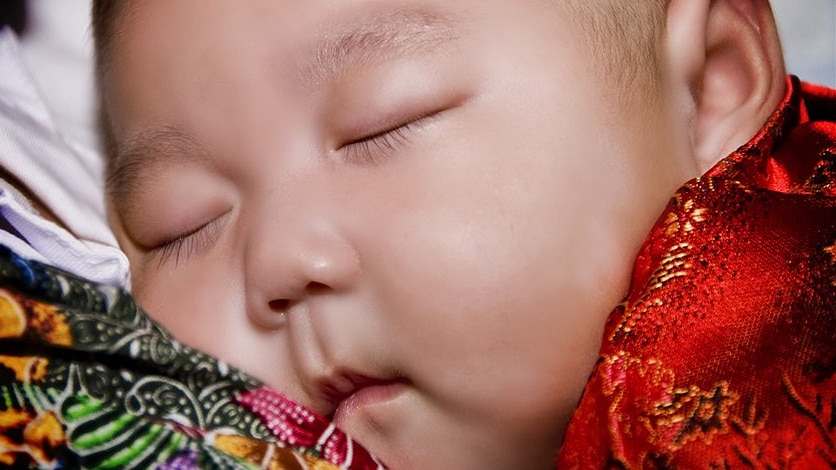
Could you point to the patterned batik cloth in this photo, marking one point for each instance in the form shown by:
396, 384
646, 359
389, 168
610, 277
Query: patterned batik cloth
723, 353
87, 380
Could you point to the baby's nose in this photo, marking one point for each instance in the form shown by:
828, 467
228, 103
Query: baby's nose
284, 267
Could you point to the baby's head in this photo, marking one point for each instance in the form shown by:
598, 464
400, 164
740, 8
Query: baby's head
434, 204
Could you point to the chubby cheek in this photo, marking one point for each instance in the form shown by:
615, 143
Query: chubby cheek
491, 299
195, 318
201, 304
489, 320
486, 279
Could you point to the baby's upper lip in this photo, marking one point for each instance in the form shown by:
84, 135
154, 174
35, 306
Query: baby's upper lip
340, 386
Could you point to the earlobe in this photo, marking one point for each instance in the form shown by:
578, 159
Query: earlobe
725, 58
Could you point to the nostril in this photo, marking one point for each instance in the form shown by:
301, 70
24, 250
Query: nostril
316, 288
273, 317
279, 306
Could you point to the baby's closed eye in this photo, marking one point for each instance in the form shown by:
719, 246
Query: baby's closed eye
377, 144
189, 243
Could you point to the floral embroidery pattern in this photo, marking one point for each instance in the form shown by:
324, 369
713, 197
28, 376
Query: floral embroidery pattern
88, 380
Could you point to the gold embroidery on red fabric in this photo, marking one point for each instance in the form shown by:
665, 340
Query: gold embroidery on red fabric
645, 404
821, 180
692, 414
666, 416
614, 372
751, 448
675, 264
816, 410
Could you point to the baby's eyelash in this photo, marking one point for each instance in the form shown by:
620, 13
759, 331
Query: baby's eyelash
187, 245
369, 149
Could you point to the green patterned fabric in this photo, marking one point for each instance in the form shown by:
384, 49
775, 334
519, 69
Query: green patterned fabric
88, 380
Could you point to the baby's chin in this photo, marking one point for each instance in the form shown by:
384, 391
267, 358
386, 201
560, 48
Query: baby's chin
407, 431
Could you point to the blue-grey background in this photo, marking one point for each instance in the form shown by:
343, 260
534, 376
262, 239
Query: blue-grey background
808, 30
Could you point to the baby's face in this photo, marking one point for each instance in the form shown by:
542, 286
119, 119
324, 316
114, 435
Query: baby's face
414, 216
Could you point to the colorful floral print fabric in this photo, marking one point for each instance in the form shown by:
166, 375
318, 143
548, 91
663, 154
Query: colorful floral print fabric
87, 380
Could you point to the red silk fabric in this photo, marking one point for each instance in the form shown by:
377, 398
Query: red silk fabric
724, 351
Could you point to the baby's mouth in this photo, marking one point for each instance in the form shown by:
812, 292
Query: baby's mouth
349, 393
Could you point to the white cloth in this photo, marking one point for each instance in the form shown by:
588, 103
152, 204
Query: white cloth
57, 49
56, 172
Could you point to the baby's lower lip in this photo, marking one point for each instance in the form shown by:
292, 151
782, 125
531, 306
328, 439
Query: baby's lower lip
367, 397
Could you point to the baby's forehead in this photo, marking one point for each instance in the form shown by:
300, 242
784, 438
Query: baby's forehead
330, 18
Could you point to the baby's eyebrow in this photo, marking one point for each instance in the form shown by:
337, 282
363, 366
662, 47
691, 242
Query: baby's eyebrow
377, 37
140, 157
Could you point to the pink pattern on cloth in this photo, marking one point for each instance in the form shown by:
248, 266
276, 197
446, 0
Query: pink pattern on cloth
296, 426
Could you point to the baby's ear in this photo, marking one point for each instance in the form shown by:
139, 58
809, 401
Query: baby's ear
726, 63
